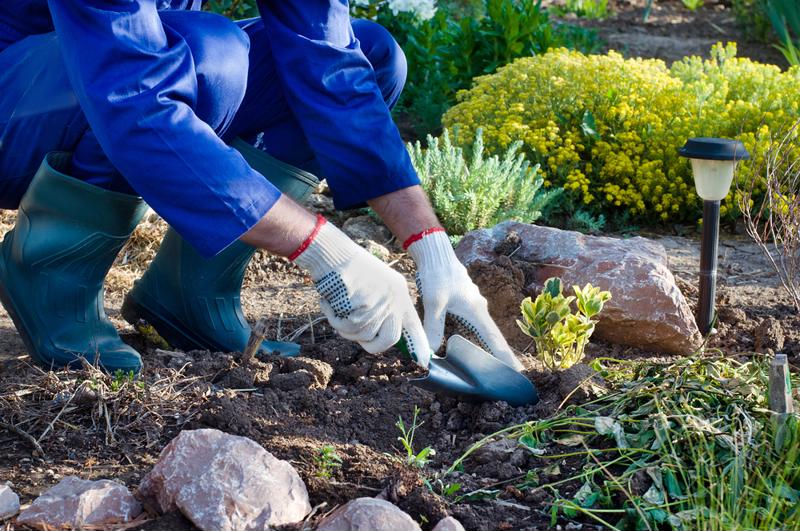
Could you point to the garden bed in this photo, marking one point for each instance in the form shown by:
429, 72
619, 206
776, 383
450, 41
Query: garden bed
340, 397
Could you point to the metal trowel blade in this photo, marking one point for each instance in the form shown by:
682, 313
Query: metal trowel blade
469, 372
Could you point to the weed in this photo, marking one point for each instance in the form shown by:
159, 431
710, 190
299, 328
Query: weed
120, 379
683, 445
326, 461
406, 438
559, 334
693, 5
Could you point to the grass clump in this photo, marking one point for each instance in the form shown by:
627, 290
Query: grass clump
475, 192
684, 445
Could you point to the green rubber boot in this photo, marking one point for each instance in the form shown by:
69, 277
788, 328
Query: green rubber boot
53, 264
194, 303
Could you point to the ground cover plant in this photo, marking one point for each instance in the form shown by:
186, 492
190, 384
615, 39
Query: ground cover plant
608, 129
475, 191
682, 445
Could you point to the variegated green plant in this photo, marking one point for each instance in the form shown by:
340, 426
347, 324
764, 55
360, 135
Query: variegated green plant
559, 334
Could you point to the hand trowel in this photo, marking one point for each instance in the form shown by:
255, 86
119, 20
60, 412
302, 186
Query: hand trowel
469, 372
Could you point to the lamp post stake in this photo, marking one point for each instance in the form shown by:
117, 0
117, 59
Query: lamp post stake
708, 266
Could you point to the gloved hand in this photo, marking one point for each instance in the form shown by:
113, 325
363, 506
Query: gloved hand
364, 299
446, 288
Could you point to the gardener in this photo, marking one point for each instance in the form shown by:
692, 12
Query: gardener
117, 102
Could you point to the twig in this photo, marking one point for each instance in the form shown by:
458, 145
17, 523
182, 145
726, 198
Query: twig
257, 335
58, 416
24, 434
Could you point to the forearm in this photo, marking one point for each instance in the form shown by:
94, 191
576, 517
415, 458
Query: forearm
283, 229
406, 212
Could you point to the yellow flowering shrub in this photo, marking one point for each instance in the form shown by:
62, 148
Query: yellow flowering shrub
608, 129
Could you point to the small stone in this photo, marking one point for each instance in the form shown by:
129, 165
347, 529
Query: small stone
449, 524
222, 482
368, 514
364, 228
9, 502
76, 502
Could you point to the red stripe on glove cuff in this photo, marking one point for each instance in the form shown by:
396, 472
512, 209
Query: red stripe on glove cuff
303, 246
418, 236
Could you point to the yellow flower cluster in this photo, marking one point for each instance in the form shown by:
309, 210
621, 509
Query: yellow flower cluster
608, 129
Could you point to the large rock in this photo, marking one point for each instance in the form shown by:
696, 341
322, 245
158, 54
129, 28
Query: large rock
449, 524
368, 514
365, 228
76, 502
222, 482
647, 309
9, 502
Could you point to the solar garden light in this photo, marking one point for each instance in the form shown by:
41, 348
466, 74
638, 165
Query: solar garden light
713, 163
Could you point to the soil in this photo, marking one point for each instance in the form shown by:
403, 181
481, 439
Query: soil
338, 395
672, 32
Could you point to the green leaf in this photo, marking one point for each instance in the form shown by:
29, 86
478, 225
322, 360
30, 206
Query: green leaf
609, 426
588, 125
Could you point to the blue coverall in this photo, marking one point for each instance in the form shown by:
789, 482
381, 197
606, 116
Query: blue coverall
146, 92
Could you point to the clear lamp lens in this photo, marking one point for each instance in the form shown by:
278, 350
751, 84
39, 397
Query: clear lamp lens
713, 178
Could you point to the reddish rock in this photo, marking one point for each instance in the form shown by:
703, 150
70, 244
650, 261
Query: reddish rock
222, 482
368, 514
9, 502
76, 502
647, 309
449, 524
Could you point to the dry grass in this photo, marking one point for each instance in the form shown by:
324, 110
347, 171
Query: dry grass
47, 409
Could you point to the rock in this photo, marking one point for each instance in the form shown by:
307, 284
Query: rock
222, 482
364, 228
368, 514
9, 502
449, 524
76, 502
647, 309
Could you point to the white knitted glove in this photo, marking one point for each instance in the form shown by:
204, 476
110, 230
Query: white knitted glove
446, 288
364, 299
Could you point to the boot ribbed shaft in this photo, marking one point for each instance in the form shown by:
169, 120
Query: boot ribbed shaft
54, 262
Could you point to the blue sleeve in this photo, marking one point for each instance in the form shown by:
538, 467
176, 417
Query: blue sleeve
332, 90
135, 81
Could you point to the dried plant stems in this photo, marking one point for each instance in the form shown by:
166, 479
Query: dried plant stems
774, 221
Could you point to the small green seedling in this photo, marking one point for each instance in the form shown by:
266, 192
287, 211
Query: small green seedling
326, 461
559, 334
407, 440
121, 378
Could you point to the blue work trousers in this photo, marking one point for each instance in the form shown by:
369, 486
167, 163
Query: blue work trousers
238, 94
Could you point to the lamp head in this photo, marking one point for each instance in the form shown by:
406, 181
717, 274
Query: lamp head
713, 164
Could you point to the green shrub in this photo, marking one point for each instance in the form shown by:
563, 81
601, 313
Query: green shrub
479, 192
608, 129
752, 18
445, 53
